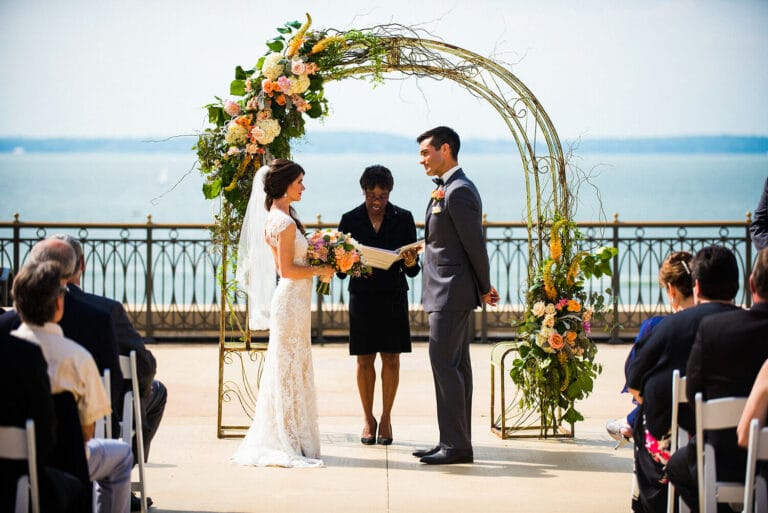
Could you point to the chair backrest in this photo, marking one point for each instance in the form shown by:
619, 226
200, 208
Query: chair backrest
131, 423
722, 413
755, 493
19, 444
104, 424
679, 436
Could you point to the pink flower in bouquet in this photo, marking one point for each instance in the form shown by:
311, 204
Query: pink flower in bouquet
298, 67
232, 108
284, 83
311, 68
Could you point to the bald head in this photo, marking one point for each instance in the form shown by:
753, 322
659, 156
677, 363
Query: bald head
55, 250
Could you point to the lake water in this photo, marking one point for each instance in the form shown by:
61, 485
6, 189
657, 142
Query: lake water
125, 187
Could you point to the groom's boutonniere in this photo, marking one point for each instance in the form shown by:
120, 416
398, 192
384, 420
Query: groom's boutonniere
437, 196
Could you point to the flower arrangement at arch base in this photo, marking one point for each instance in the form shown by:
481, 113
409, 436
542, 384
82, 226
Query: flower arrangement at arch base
556, 365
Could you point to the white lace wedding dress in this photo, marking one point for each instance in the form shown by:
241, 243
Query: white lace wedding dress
284, 431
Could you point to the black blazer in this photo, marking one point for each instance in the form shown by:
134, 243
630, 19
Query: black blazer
728, 352
128, 339
396, 230
667, 348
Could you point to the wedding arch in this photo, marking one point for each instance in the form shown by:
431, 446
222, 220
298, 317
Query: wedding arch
272, 100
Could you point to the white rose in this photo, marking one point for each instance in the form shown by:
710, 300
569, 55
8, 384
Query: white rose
272, 68
300, 84
538, 308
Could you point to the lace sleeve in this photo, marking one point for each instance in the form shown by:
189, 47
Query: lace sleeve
276, 224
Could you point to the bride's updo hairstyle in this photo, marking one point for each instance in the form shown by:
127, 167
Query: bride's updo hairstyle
281, 174
676, 271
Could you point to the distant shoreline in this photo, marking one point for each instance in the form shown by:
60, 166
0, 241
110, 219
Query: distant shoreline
370, 142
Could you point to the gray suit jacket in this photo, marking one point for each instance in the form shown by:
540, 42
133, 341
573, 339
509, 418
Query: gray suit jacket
456, 270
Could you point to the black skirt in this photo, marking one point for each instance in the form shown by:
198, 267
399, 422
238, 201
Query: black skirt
378, 323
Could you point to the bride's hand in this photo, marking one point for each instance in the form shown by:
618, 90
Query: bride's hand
325, 271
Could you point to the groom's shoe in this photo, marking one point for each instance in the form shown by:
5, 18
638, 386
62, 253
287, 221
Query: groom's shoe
448, 456
420, 453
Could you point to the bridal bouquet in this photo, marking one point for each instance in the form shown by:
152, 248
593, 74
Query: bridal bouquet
339, 250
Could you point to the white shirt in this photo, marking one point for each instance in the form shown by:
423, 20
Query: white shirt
448, 174
71, 368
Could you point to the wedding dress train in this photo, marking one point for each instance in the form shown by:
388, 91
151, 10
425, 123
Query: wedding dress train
284, 431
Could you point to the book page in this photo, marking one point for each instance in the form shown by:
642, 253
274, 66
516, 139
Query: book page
384, 258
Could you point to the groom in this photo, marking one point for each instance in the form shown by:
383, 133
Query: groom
456, 281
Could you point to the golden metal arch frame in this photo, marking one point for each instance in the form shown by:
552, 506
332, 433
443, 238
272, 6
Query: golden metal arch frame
528, 123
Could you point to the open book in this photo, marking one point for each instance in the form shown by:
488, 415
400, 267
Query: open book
384, 258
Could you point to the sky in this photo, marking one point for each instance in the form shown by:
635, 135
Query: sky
623, 68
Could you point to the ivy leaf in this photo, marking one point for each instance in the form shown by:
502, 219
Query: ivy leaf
240, 73
276, 45
211, 190
572, 416
237, 88
293, 24
284, 30
260, 62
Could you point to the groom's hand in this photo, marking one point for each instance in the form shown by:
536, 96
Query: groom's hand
491, 297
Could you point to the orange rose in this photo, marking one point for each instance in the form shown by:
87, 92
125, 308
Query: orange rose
556, 341
346, 262
280, 99
570, 337
574, 305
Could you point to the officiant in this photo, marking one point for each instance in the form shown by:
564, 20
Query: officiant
378, 304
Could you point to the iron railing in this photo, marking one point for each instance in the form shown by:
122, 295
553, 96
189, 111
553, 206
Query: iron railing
166, 274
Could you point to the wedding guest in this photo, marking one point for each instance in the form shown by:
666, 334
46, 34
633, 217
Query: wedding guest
759, 227
153, 394
456, 281
378, 304
38, 291
756, 407
90, 327
725, 360
27, 395
715, 283
675, 279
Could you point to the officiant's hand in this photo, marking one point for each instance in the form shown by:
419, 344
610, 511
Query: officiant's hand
491, 297
410, 257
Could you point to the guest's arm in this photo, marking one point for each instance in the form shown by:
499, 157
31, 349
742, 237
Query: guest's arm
694, 371
648, 352
756, 407
759, 227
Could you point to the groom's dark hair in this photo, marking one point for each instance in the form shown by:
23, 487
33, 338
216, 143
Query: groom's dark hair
443, 135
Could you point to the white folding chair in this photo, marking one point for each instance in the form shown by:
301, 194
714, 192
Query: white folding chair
19, 444
131, 423
104, 424
679, 436
720, 413
755, 490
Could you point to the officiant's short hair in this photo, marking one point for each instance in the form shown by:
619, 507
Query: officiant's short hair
377, 175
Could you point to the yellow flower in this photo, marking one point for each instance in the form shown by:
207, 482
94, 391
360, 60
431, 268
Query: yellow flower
298, 39
555, 245
574, 305
549, 282
324, 43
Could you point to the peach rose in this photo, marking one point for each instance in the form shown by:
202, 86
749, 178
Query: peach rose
556, 341
570, 337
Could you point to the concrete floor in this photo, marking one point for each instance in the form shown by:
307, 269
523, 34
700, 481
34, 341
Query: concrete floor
189, 468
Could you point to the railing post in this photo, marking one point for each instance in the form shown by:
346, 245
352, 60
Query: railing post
16, 243
319, 337
615, 339
748, 258
148, 285
484, 311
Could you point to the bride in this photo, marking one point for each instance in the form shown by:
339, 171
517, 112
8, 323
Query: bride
284, 431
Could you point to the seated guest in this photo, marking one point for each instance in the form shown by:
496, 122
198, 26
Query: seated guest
38, 293
756, 407
759, 227
87, 325
27, 395
715, 283
152, 392
724, 362
675, 278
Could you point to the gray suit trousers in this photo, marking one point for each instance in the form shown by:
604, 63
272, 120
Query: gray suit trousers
449, 338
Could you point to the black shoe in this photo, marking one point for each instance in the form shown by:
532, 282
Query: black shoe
383, 440
448, 457
370, 440
420, 453
136, 502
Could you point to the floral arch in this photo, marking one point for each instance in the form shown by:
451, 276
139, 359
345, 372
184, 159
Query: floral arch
287, 84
